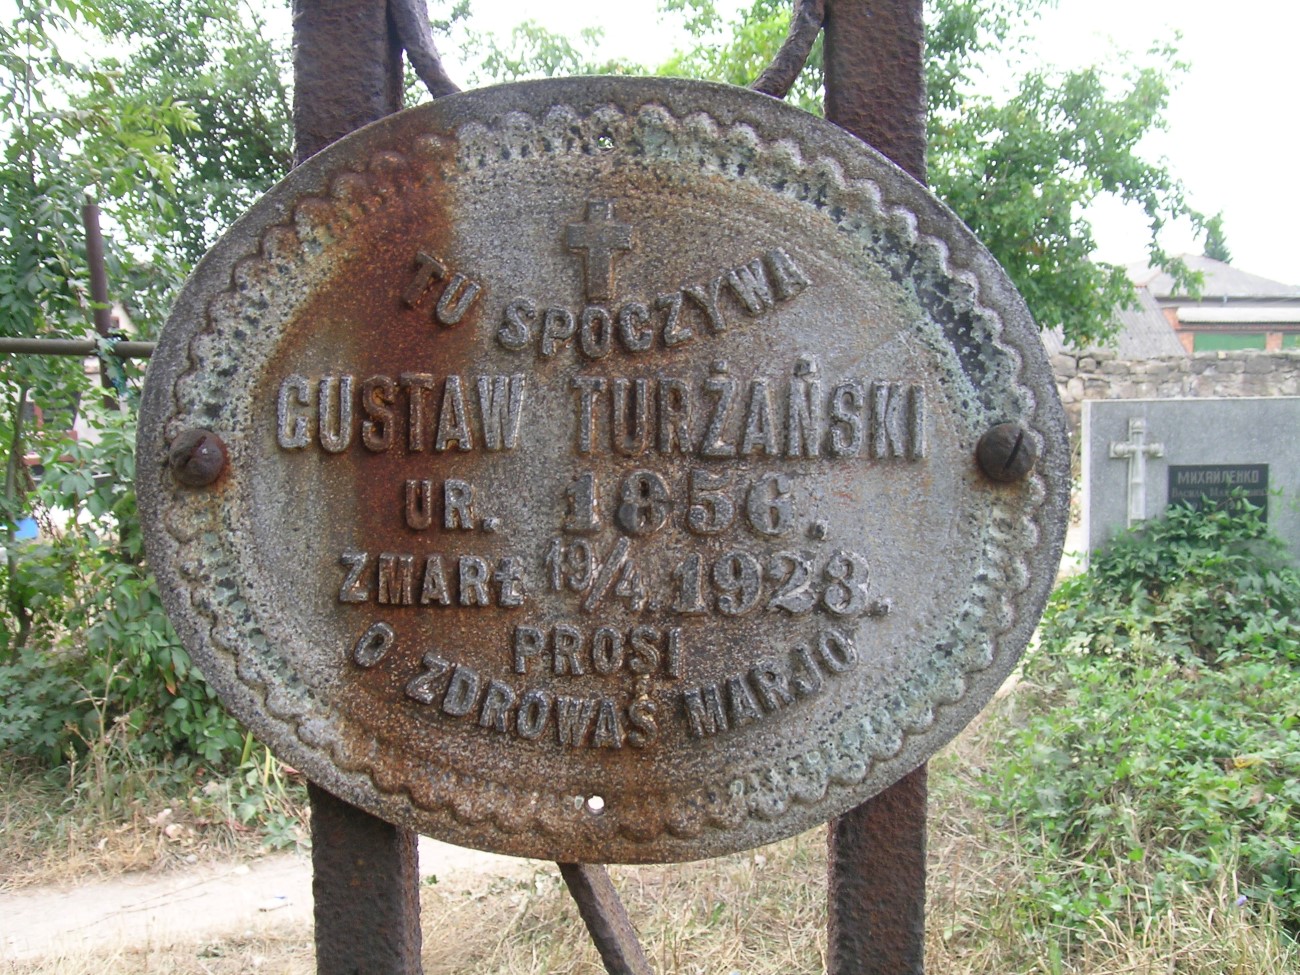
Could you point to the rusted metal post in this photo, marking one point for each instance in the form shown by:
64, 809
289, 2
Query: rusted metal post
102, 313
366, 886
606, 919
876, 900
347, 67
875, 88
875, 76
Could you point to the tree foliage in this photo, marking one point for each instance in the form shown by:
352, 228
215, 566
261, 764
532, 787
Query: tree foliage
174, 117
1216, 241
1021, 168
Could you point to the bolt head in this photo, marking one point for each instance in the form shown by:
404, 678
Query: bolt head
1006, 453
197, 458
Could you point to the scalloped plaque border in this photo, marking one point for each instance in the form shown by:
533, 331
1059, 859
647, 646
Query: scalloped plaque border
278, 264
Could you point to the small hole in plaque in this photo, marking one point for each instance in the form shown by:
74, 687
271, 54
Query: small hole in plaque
595, 805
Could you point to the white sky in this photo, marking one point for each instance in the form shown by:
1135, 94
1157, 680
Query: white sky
1234, 121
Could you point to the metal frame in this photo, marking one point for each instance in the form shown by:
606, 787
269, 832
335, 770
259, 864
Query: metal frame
347, 66
348, 72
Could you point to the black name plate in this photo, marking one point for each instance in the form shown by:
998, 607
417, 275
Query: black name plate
1197, 484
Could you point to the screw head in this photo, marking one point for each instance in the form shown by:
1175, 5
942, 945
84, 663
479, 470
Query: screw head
197, 457
1006, 452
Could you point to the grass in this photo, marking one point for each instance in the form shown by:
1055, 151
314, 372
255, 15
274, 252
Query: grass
757, 913
95, 819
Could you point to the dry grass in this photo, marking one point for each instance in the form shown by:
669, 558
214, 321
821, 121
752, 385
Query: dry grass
284, 952
90, 825
757, 913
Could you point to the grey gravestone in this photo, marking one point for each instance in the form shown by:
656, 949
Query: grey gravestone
1141, 455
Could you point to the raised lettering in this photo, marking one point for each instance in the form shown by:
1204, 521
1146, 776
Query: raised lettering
516, 328
501, 403
772, 684
453, 422
473, 582
704, 714
572, 719
434, 588
707, 296
534, 710
742, 708
457, 504
749, 284
427, 268
509, 578
496, 707
674, 417
789, 279
596, 336
633, 330
416, 385
528, 643
419, 504
609, 729
587, 388
566, 643
462, 691
353, 589
377, 395
558, 326
760, 422
674, 332
641, 716
420, 687
607, 650
396, 579
334, 408
803, 434
456, 299
631, 426
724, 389
847, 435
292, 431
374, 644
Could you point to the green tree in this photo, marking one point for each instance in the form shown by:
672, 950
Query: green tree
216, 57
1020, 168
1216, 241
67, 129
84, 641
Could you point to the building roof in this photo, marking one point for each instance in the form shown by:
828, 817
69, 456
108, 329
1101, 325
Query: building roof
1219, 281
1144, 333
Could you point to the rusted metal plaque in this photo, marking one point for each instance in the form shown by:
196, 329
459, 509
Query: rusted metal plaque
595, 470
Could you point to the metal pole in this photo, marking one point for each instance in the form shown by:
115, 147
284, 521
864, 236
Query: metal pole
347, 73
606, 919
78, 347
875, 88
102, 312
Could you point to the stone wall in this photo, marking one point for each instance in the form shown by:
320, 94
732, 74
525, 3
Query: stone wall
1100, 375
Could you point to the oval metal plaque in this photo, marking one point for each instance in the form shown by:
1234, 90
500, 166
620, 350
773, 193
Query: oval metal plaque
600, 476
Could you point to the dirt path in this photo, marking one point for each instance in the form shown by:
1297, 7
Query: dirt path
205, 899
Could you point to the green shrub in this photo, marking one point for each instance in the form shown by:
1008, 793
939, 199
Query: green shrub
1213, 585
100, 651
1161, 746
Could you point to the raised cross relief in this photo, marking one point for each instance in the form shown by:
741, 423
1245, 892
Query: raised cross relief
602, 239
1136, 450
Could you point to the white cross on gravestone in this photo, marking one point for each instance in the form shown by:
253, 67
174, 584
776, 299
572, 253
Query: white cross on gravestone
600, 237
1136, 451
